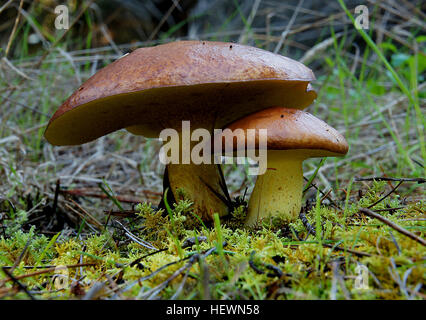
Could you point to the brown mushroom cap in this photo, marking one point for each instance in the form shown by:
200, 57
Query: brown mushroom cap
209, 83
288, 129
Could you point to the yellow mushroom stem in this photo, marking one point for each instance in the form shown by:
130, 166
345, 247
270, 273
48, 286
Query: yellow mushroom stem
278, 192
193, 179
201, 183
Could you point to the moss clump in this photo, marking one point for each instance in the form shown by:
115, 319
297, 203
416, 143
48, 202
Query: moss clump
275, 261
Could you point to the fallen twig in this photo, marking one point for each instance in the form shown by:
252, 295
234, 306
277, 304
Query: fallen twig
389, 209
191, 241
386, 195
55, 198
21, 256
276, 272
136, 261
306, 223
418, 180
311, 230
83, 193
124, 213
47, 270
20, 285
393, 225
357, 253
327, 196
82, 216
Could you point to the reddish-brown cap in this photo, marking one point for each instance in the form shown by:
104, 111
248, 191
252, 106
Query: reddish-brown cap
287, 129
209, 83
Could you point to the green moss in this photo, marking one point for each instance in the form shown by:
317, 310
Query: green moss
307, 269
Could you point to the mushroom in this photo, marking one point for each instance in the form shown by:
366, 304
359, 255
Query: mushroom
209, 84
292, 137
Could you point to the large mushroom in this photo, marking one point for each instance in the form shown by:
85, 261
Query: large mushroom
209, 84
292, 137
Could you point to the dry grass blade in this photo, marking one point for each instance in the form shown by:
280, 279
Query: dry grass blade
288, 27
5, 5
130, 235
165, 17
15, 69
15, 26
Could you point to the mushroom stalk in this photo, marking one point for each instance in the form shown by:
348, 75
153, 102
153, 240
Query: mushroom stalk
192, 174
278, 192
198, 183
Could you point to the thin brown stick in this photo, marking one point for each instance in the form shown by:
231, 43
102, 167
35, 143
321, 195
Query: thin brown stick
21, 256
20, 285
327, 196
389, 209
398, 228
124, 213
47, 270
135, 262
163, 19
311, 230
98, 224
418, 180
385, 196
306, 224
82, 216
355, 252
84, 193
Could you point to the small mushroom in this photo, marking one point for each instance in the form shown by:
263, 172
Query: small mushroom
207, 83
292, 137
